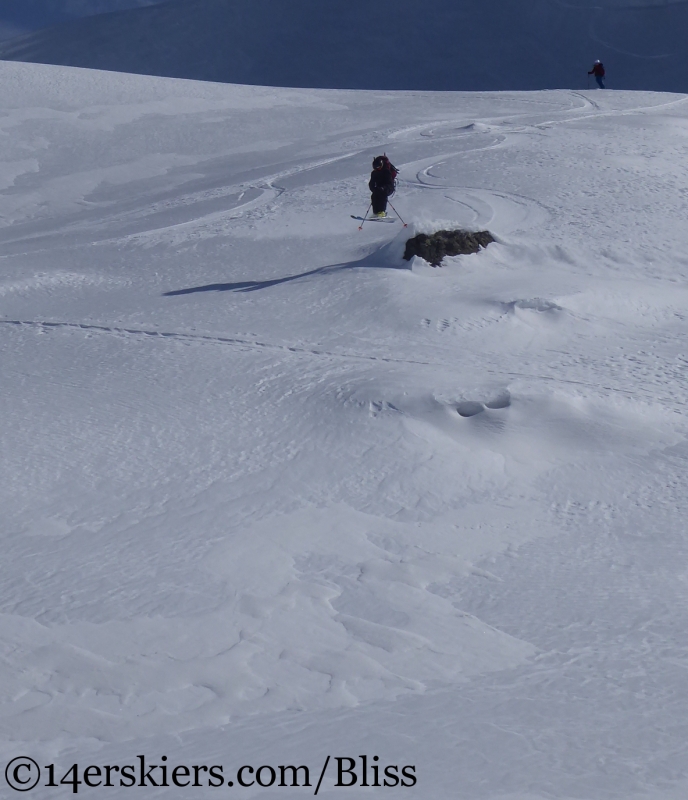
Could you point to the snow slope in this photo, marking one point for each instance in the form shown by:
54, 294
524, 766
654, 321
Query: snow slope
439, 44
271, 493
21, 16
9, 30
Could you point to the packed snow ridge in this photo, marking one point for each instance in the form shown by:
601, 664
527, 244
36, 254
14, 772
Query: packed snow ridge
431, 45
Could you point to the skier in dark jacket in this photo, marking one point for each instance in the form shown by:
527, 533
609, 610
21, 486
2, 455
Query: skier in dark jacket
598, 71
381, 184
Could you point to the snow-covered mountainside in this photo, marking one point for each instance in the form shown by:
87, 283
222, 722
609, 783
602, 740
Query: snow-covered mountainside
437, 44
10, 30
21, 16
271, 493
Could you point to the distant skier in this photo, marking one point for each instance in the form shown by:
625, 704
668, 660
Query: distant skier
598, 71
382, 184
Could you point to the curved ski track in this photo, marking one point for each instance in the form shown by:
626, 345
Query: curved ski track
477, 200
252, 195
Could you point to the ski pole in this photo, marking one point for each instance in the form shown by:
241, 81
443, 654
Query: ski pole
360, 227
397, 213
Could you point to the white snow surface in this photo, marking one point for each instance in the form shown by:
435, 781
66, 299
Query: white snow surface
355, 44
270, 493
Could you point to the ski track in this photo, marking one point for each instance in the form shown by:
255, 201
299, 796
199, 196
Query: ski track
256, 195
424, 176
206, 339
267, 190
297, 351
479, 202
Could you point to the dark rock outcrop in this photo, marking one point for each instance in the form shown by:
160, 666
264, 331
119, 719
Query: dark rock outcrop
435, 246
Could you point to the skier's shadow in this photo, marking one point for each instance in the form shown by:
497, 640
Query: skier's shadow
253, 286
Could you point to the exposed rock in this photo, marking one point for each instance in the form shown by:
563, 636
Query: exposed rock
434, 247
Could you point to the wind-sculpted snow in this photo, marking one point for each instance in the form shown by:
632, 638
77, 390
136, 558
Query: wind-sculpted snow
270, 492
438, 44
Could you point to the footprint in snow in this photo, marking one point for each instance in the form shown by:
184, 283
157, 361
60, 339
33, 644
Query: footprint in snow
471, 408
376, 407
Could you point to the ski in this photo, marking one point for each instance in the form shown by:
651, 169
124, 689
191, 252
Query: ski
374, 219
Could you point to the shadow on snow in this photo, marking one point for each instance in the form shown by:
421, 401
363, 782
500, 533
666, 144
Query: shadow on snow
370, 262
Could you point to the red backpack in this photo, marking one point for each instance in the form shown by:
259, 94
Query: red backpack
385, 163
390, 166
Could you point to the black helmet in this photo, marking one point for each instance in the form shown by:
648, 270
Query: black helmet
378, 162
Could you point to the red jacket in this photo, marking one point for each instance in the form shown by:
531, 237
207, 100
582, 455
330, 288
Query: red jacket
597, 70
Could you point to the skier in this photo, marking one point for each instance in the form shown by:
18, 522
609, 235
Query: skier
598, 71
382, 184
